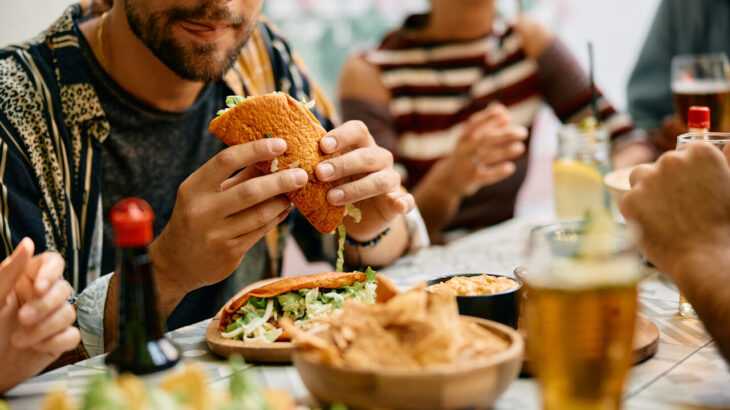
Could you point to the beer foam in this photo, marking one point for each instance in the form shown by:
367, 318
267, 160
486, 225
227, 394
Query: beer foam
701, 87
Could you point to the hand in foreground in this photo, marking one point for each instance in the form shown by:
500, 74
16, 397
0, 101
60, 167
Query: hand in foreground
221, 211
485, 152
682, 204
367, 178
36, 321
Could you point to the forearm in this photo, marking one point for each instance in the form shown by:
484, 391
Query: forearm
391, 247
436, 201
698, 277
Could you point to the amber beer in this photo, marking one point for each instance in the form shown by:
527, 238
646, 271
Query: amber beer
714, 94
583, 344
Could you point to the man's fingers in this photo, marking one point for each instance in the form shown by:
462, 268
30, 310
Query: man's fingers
352, 134
378, 183
232, 159
489, 135
14, 266
239, 177
397, 203
503, 153
38, 309
639, 173
495, 114
60, 343
56, 322
51, 270
359, 161
243, 243
257, 190
256, 217
493, 174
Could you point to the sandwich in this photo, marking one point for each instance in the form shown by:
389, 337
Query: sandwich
279, 115
254, 314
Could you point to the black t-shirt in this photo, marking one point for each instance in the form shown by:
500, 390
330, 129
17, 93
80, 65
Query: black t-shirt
148, 154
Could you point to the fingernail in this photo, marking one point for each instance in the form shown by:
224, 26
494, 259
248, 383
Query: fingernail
325, 170
278, 145
336, 196
300, 177
329, 144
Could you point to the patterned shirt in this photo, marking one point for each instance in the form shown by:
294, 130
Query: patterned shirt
54, 133
435, 86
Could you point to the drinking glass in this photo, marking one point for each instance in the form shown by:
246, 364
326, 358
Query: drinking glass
581, 313
703, 80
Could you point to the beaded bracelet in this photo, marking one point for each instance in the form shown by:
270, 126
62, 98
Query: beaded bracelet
367, 244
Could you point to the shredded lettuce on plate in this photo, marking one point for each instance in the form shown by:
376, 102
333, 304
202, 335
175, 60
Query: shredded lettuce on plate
253, 319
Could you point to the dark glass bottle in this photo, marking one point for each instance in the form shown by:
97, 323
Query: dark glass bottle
142, 347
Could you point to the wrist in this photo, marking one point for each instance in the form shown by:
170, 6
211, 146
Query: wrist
170, 290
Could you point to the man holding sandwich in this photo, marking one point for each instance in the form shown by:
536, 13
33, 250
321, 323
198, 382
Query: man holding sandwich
115, 99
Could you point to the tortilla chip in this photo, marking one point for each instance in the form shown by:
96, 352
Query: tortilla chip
279, 115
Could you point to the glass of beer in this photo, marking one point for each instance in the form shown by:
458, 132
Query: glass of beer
719, 140
703, 80
581, 312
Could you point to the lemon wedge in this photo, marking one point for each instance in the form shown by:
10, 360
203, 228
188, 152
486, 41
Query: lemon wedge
578, 189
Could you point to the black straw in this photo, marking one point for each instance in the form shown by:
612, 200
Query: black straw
592, 70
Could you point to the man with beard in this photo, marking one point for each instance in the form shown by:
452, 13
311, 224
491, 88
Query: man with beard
116, 103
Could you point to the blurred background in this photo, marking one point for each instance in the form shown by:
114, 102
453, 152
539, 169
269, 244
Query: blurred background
324, 32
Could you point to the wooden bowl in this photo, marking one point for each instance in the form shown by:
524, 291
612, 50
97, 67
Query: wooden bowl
476, 386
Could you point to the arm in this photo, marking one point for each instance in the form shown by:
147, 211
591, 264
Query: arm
566, 88
682, 205
698, 275
482, 157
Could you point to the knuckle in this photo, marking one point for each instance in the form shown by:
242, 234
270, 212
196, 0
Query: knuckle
227, 159
249, 191
370, 158
261, 216
360, 127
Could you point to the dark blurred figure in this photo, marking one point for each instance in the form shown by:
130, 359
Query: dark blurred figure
680, 27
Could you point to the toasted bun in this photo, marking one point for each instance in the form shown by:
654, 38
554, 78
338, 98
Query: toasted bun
279, 115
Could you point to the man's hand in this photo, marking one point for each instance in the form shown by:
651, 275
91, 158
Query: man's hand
682, 204
35, 333
368, 179
221, 211
485, 152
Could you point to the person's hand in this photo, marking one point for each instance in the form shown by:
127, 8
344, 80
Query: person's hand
367, 178
221, 211
36, 321
665, 137
484, 154
681, 204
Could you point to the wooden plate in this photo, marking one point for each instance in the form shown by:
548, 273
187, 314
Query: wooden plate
276, 352
646, 343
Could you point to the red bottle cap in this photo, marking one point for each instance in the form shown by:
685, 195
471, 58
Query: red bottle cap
699, 117
132, 222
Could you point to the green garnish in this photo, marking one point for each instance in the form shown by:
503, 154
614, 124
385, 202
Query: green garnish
353, 212
234, 100
341, 232
258, 303
268, 135
370, 273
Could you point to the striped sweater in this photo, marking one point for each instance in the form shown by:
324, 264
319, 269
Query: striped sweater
436, 86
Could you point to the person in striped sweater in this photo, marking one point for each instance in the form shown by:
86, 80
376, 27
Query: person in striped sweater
454, 94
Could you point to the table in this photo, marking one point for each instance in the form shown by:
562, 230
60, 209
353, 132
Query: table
686, 373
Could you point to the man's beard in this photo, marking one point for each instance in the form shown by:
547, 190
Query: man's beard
191, 62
